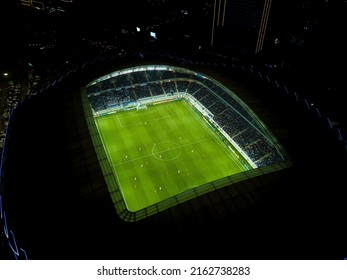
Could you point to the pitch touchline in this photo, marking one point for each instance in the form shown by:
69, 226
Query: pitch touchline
103, 140
187, 188
222, 146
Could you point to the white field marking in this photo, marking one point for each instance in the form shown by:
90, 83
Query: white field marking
131, 160
151, 110
238, 164
121, 125
178, 146
114, 169
188, 188
148, 122
152, 154
169, 149
103, 140
120, 186
146, 111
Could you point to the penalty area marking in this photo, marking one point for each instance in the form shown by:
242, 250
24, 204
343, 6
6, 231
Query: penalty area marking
147, 122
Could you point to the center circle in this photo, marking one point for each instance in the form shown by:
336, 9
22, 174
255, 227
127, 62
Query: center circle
166, 150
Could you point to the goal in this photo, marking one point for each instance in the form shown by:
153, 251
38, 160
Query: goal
141, 107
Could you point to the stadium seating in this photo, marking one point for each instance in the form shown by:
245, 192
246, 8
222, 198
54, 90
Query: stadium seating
231, 116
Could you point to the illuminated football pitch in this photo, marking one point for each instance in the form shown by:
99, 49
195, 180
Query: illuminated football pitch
164, 150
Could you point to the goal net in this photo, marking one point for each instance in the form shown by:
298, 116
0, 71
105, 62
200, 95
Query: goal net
141, 107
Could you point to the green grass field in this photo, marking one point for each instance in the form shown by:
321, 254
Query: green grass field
162, 151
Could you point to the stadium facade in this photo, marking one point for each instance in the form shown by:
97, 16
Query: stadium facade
55, 201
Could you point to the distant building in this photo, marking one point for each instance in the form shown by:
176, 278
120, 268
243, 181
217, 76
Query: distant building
44, 4
239, 25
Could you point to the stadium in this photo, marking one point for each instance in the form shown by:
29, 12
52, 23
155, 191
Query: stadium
159, 156
178, 108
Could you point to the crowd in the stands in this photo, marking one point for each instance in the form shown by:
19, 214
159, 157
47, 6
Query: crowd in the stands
228, 113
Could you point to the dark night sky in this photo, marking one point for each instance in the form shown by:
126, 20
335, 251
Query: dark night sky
308, 56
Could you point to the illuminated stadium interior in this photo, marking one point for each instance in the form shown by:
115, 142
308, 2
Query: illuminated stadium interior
164, 135
60, 198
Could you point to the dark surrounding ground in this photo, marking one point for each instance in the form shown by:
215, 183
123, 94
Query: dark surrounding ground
60, 209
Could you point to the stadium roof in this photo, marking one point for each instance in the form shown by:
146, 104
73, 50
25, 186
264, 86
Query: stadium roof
58, 206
